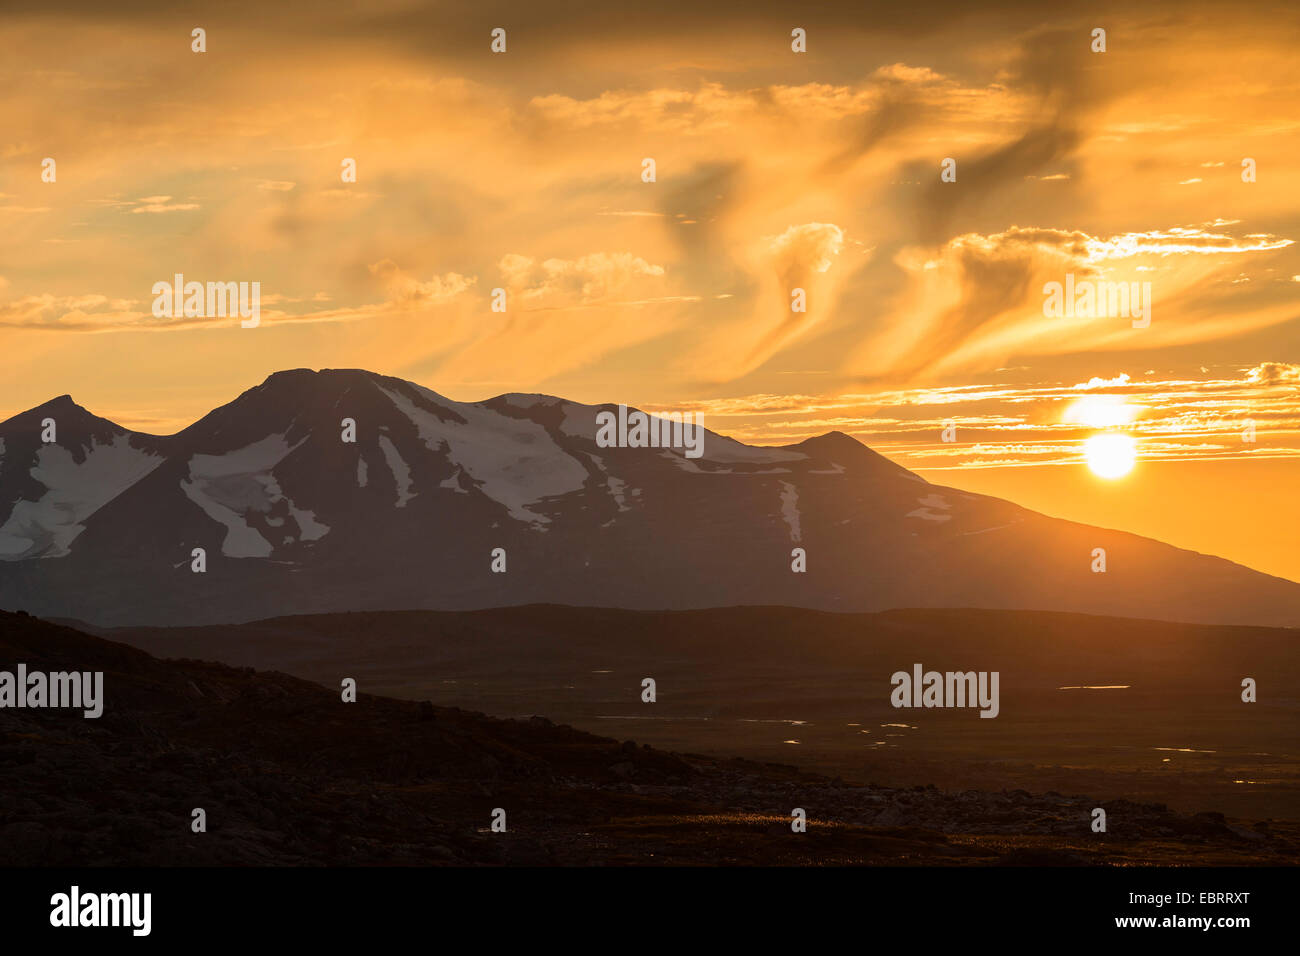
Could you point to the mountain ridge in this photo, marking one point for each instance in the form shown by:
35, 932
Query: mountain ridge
292, 517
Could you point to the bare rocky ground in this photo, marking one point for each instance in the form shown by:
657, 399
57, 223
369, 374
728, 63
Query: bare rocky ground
288, 774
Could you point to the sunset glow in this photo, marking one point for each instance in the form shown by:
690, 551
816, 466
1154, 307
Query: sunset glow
523, 172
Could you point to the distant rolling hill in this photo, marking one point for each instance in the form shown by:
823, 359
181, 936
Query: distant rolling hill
1032, 648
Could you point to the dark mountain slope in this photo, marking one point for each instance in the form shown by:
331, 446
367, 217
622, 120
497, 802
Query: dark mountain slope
292, 519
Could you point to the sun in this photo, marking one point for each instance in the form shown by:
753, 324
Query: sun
1110, 455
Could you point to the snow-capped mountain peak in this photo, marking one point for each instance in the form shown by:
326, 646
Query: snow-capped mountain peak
342, 489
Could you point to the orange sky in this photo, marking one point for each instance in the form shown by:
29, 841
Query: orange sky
775, 170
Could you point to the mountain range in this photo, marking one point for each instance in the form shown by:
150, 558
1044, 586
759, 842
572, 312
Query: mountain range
101, 524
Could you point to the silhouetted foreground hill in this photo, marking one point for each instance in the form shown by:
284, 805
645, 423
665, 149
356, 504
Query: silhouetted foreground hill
289, 774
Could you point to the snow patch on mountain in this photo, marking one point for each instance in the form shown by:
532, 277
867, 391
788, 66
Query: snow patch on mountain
616, 486
926, 513
401, 473
241, 541
454, 483
230, 487
46, 527
579, 420
790, 509
693, 464
309, 527
997, 527
514, 460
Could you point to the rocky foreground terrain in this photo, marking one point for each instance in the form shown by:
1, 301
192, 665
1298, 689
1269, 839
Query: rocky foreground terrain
289, 774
